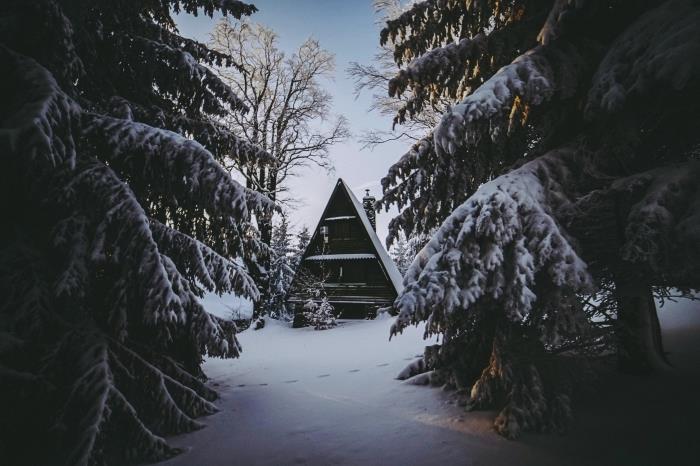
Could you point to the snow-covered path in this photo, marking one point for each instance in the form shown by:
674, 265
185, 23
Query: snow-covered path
297, 396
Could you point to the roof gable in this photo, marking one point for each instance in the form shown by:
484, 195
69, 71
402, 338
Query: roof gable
389, 267
341, 188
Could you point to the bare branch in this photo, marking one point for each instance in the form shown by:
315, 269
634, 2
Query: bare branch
289, 107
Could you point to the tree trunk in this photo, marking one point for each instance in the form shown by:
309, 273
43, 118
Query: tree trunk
264, 220
639, 345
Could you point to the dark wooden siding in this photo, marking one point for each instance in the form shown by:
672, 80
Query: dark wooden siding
355, 286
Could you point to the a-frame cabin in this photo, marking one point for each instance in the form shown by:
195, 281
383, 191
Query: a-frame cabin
347, 257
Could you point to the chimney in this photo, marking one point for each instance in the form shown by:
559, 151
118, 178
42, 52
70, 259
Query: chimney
368, 204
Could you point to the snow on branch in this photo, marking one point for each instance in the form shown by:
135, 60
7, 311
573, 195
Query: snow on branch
175, 371
408, 184
216, 336
31, 297
42, 126
213, 336
235, 8
198, 50
146, 446
530, 80
402, 169
181, 63
438, 65
123, 236
661, 49
665, 218
493, 246
214, 136
425, 24
413, 19
86, 409
104, 376
552, 27
174, 165
175, 404
221, 141
198, 262
71, 236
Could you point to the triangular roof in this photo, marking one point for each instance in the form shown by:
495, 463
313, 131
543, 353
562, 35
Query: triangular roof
390, 269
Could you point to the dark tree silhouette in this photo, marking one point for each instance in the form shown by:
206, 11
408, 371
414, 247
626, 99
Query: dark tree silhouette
567, 162
117, 215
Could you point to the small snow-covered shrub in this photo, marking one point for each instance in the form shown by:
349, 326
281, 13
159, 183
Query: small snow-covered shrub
319, 316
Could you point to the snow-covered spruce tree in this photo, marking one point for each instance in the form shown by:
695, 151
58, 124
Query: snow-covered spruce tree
281, 272
302, 242
320, 316
569, 162
401, 254
117, 216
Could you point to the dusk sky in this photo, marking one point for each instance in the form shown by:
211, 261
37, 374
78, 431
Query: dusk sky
347, 29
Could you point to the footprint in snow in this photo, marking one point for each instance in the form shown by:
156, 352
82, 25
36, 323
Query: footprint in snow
241, 385
383, 364
262, 384
354, 370
324, 375
290, 381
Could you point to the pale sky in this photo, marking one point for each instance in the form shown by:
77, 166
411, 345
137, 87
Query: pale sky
346, 28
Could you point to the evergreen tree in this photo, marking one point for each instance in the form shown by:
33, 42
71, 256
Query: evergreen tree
117, 217
321, 315
281, 271
303, 238
567, 163
401, 254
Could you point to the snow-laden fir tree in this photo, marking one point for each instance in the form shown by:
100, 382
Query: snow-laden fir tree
567, 163
302, 242
319, 315
280, 271
401, 254
117, 216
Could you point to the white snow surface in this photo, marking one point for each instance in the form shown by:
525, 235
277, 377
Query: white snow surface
335, 257
227, 306
299, 396
340, 217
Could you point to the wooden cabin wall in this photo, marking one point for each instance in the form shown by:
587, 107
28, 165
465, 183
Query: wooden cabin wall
355, 287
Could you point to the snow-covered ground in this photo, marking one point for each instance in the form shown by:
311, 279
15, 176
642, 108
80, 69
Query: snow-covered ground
298, 396
227, 306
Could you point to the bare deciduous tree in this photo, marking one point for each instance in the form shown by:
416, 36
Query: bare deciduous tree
290, 111
374, 78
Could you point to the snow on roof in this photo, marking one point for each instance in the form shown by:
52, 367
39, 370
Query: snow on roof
342, 217
336, 257
389, 266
